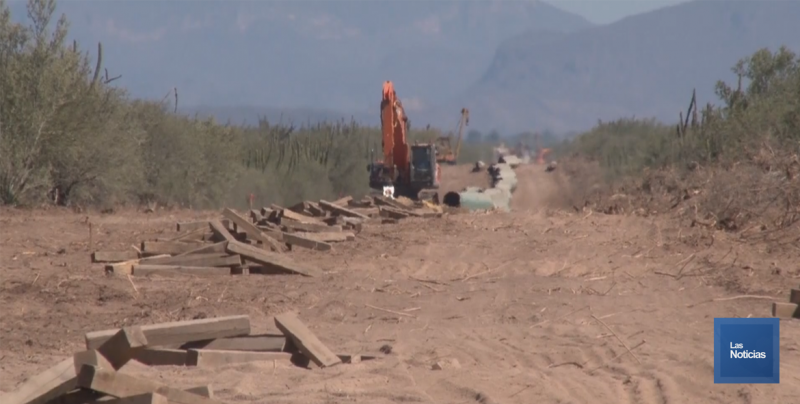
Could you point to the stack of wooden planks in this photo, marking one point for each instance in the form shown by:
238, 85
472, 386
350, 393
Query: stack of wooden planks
92, 375
236, 245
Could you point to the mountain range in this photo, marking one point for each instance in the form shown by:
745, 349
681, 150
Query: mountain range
517, 65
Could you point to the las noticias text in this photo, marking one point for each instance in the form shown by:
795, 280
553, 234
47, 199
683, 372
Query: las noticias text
738, 352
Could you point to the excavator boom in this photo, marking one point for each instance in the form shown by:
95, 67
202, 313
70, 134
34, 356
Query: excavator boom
407, 170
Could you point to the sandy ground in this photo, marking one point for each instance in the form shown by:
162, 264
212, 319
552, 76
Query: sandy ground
534, 305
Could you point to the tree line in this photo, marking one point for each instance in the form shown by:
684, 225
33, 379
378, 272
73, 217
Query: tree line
68, 135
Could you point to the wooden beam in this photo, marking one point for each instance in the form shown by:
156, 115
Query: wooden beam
181, 332
271, 260
166, 247
305, 340
50, 384
93, 397
146, 398
219, 259
123, 346
328, 237
251, 230
221, 231
189, 226
179, 270
114, 256
294, 225
341, 210
294, 239
162, 357
210, 358
297, 217
119, 384
254, 343
215, 248
343, 201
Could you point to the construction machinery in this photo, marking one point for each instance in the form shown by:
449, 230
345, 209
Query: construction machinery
541, 153
406, 170
445, 152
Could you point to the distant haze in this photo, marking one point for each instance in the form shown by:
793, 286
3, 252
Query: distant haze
516, 64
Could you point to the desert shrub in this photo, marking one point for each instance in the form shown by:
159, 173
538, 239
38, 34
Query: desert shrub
69, 136
732, 166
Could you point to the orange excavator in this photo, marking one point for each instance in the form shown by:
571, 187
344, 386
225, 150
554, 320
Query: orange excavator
445, 153
406, 170
541, 153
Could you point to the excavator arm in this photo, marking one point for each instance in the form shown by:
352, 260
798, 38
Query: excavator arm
393, 127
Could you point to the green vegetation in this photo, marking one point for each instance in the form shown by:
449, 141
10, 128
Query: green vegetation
765, 115
734, 166
68, 136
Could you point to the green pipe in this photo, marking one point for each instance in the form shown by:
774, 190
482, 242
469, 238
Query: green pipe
486, 200
504, 183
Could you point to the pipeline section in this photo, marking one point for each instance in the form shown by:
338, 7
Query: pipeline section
504, 183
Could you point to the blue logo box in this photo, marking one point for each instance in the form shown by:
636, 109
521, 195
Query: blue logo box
747, 350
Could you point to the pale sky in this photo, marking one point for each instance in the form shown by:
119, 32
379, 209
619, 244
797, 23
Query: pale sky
607, 11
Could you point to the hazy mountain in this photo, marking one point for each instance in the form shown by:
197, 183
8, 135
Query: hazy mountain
644, 65
326, 55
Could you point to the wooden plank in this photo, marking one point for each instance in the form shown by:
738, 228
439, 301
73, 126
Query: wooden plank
794, 296
192, 235
297, 217
166, 247
294, 225
114, 256
364, 203
125, 268
252, 231
123, 346
162, 357
119, 384
90, 357
343, 201
340, 210
353, 359
146, 398
205, 391
179, 270
50, 384
221, 231
305, 341
255, 215
211, 358
93, 397
786, 310
293, 239
221, 259
181, 332
315, 210
391, 213
189, 226
215, 248
253, 343
80, 397
328, 237
300, 207
384, 201
270, 259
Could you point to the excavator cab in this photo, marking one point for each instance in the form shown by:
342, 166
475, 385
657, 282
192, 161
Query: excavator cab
423, 165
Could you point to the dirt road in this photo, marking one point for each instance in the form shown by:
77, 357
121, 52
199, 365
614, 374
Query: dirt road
536, 306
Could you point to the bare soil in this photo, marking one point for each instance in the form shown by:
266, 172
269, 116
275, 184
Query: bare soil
534, 305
